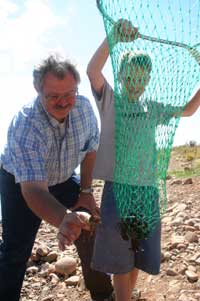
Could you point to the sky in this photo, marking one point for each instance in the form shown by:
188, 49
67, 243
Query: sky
30, 29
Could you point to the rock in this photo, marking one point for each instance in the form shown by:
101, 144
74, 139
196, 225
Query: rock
73, 280
191, 237
52, 256
160, 297
46, 269
191, 276
197, 261
136, 294
176, 182
48, 298
32, 270
171, 272
54, 278
35, 257
178, 221
188, 181
66, 265
176, 240
191, 268
42, 250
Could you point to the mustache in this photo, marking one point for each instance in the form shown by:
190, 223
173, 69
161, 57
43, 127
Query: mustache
60, 108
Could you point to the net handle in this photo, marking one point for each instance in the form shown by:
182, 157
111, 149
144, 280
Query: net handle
145, 37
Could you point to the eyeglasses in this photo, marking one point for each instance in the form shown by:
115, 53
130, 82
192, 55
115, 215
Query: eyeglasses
56, 97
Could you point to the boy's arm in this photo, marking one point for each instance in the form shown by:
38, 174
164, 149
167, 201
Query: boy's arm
122, 31
190, 108
95, 67
193, 105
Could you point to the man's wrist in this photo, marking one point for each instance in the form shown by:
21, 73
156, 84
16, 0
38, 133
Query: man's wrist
89, 190
67, 212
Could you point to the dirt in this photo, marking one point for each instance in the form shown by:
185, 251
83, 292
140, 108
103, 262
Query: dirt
172, 284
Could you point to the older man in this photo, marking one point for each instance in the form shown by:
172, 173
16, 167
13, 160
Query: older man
47, 140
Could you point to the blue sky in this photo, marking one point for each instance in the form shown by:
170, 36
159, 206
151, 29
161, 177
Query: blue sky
29, 29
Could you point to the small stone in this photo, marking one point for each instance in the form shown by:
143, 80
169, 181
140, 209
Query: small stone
171, 272
191, 276
66, 265
48, 298
32, 270
191, 237
52, 256
72, 281
188, 181
42, 250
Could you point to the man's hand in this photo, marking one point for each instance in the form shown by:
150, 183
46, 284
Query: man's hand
86, 200
124, 31
71, 226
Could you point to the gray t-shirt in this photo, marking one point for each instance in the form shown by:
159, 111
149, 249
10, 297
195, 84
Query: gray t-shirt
140, 143
105, 161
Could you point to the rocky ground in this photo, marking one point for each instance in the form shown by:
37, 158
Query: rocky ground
55, 275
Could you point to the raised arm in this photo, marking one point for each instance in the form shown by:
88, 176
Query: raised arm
95, 67
193, 104
122, 31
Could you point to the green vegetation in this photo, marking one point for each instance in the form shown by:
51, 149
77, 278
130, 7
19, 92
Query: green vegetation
185, 161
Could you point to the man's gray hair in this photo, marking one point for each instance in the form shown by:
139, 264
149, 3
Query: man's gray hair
56, 65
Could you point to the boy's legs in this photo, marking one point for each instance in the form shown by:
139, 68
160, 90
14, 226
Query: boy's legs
118, 257
124, 284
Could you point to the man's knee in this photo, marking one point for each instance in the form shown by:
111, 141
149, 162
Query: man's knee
99, 284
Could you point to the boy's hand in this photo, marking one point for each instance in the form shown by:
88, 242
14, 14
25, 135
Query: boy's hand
124, 31
195, 54
71, 226
87, 201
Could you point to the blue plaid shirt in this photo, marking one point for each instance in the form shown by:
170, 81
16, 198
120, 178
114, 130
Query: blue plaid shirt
39, 148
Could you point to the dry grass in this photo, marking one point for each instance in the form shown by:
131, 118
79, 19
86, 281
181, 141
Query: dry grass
185, 161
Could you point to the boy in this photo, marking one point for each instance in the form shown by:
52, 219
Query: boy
112, 253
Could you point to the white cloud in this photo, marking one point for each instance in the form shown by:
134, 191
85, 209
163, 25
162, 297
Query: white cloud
25, 36
6, 8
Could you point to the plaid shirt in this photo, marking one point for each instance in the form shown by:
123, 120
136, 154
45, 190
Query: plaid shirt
39, 148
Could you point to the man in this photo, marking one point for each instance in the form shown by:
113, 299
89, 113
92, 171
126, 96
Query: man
118, 255
46, 141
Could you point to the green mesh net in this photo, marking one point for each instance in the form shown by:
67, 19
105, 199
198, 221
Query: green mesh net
154, 77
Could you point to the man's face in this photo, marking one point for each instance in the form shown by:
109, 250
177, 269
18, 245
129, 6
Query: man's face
59, 95
135, 80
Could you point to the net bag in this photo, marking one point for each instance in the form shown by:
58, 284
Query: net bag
154, 47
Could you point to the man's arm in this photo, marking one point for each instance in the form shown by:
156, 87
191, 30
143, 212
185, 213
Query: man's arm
86, 199
46, 207
87, 166
193, 105
42, 202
